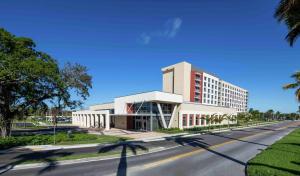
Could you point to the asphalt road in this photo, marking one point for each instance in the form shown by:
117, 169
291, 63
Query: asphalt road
223, 154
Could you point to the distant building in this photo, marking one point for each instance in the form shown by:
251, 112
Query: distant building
189, 95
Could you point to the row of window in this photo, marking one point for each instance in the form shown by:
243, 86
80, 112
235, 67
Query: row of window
195, 120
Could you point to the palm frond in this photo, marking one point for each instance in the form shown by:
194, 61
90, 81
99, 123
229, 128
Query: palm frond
293, 34
296, 76
291, 86
283, 9
298, 94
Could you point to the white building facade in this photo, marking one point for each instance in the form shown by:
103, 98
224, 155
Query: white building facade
188, 98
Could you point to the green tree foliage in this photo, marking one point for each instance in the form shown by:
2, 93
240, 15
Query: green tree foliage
288, 11
30, 78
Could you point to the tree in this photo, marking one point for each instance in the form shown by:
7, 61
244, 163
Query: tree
220, 119
230, 118
295, 85
209, 120
288, 11
269, 114
277, 115
29, 79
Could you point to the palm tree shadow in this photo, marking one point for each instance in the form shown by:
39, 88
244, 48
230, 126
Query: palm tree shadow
236, 139
197, 142
45, 157
131, 146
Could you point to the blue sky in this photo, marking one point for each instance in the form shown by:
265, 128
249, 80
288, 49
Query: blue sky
125, 43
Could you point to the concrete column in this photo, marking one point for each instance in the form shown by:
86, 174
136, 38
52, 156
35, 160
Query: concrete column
85, 120
89, 120
161, 115
93, 121
188, 121
180, 121
101, 120
107, 120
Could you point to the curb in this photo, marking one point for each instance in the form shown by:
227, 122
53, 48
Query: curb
81, 160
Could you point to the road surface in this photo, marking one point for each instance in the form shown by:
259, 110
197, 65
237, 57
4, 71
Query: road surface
222, 154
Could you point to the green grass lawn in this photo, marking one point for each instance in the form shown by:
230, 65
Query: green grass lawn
280, 159
113, 153
61, 139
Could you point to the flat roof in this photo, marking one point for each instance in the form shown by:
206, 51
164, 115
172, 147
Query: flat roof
147, 92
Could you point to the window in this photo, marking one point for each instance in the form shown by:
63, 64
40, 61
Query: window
184, 121
197, 119
205, 78
202, 119
191, 119
208, 79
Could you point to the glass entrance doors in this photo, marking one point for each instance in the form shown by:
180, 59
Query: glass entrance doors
142, 123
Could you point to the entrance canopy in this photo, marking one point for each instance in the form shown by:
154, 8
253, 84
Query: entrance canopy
155, 96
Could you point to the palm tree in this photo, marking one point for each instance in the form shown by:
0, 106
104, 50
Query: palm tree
270, 114
209, 120
295, 85
220, 119
288, 11
277, 115
233, 118
229, 118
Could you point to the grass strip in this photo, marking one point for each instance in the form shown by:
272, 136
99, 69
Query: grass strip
280, 159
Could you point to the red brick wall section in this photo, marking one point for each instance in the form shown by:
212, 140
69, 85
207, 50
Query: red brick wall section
201, 86
192, 91
129, 122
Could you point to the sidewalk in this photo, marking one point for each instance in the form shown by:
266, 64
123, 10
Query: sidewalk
147, 139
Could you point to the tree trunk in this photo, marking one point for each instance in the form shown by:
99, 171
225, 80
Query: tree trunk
6, 129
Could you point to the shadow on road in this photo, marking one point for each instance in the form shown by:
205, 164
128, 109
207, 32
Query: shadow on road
126, 147
236, 139
197, 142
46, 157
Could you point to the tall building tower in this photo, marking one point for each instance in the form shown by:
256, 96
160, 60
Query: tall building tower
198, 86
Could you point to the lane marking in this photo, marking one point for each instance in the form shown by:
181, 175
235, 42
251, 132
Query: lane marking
197, 151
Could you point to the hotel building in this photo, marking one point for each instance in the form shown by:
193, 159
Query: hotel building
188, 97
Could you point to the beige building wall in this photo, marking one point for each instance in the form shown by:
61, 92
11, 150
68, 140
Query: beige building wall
194, 109
121, 122
175, 121
181, 83
168, 81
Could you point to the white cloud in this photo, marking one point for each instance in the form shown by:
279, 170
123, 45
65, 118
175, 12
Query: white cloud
145, 39
172, 26
170, 30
